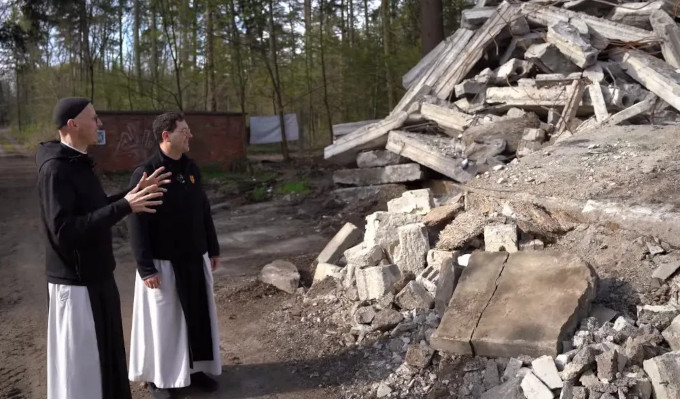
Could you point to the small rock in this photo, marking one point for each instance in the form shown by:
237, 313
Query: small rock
672, 334
607, 365
511, 370
383, 391
283, 275
364, 315
491, 378
588, 379
533, 388
414, 296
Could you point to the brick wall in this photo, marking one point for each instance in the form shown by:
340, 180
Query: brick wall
218, 139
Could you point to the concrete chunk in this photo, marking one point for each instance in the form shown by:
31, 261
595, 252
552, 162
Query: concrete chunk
364, 255
379, 158
440, 216
570, 42
500, 237
475, 288
539, 299
672, 334
283, 275
607, 365
535, 389
324, 270
544, 368
429, 278
603, 314
378, 175
381, 226
364, 315
374, 282
373, 192
512, 369
534, 135
449, 274
413, 201
349, 235
549, 59
461, 230
413, 246
658, 316
387, 319
664, 372
414, 296
419, 355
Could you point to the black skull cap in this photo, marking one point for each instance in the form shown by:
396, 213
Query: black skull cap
68, 108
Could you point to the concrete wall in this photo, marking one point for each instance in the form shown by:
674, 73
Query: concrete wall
218, 139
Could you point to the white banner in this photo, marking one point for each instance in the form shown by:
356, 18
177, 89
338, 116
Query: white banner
267, 129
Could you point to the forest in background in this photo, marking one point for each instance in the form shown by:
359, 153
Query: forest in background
329, 61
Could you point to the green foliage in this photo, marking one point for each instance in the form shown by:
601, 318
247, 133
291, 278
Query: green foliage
260, 193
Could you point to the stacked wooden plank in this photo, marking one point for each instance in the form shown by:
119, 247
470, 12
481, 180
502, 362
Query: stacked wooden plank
517, 77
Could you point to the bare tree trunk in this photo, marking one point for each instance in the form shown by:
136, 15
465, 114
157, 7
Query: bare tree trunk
276, 80
153, 64
137, 15
171, 37
351, 22
210, 56
366, 20
432, 26
308, 67
236, 45
323, 69
121, 6
387, 48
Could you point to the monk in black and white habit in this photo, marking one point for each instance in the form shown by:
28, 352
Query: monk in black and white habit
85, 346
175, 338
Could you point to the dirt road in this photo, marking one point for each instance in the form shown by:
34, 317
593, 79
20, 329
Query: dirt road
259, 361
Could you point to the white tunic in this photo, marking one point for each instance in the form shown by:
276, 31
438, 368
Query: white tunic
73, 370
159, 350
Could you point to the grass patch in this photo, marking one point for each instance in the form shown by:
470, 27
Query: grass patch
260, 193
297, 187
31, 135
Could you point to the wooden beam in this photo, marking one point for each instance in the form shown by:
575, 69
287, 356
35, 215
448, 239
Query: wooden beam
669, 35
654, 74
569, 112
431, 151
474, 50
548, 15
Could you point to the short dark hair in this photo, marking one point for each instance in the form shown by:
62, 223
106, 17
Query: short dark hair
166, 122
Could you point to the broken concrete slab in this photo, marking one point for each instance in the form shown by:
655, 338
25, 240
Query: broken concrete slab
442, 215
473, 18
475, 289
419, 355
281, 274
349, 235
533, 388
411, 252
519, 26
379, 175
349, 127
491, 378
446, 117
378, 158
603, 314
666, 266
500, 237
509, 389
519, 45
539, 300
413, 297
664, 372
608, 365
461, 230
373, 192
449, 274
672, 334
511, 71
374, 282
324, 270
636, 14
549, 59
512, 369
511, 130
364, 255
669, 34
381, 226
582, 361
569, 41
642, 386
433, 152
544, 368
413, 201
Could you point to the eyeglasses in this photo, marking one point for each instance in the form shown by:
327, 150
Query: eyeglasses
184, 131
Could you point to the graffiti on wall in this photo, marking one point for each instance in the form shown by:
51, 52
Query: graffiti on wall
135, 143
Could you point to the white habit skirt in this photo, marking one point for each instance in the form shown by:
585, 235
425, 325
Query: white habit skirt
159, 350
73, 369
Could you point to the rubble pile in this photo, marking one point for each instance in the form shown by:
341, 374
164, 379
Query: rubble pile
396, 291
514, 78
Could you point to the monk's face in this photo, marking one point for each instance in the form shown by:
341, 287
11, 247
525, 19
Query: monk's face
179, 137
86, 125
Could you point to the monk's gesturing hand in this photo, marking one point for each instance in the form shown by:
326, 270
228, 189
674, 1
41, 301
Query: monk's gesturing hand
156, 178
142, 200
153, 282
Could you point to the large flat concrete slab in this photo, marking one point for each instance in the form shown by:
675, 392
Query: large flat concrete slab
524, 303
540, 299
475, 289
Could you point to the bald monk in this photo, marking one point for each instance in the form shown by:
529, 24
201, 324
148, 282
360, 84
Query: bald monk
85, 347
